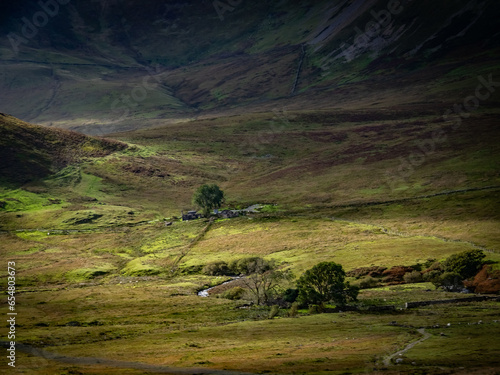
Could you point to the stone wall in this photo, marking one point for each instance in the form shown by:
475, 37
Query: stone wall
410, 305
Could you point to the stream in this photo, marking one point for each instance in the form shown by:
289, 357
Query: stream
204, 292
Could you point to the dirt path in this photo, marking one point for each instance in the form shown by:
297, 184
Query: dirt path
387, 360
91, 361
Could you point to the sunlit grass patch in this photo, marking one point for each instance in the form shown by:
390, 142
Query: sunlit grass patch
84, 274
140, 267
174, 236
22, 200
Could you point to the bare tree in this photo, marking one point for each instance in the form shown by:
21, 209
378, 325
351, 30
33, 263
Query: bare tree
265, 281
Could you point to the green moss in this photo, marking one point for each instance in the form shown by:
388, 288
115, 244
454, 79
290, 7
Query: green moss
32, 235
139, 267
180, 234
22, 200
83, 274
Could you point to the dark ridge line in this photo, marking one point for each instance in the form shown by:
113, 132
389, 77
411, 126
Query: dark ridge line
71, 64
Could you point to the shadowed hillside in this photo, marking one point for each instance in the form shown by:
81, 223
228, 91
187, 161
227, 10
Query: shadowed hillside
30, 152
103, 66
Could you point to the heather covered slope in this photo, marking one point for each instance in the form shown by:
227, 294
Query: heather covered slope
31, 152
134, 64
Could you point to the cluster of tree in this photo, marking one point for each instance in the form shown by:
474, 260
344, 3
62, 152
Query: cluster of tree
243, 266
268, 284
452, 272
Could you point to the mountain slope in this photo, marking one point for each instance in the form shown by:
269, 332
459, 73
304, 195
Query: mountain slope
29, 152
134, 64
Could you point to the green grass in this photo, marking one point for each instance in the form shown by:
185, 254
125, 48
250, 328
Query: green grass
22, 200
108, 262
85, 274
140, 319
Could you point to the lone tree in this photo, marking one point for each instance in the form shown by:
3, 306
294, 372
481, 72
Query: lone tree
325, 283
208, 197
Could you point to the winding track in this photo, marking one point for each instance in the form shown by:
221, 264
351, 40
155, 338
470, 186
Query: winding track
92, 361
426, 335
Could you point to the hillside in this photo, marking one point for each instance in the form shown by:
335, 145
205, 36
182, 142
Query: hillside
31, 152
362, 132
134, 65
99, 274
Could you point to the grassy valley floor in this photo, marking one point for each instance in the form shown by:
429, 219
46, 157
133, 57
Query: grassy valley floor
100, 275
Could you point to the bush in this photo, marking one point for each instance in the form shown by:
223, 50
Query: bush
416, 266
450, 281
249, 265
368, 282
413, 277
486, 281
234, 293
216, 269
451, 273
294, 310
290, 295
315, 309
396, 274
192, 270
373, 271
274, 311
466, 264
432, 276
429, 262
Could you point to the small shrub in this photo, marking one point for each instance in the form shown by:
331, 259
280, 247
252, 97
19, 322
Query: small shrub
315, 309
249, 265
192, 270
395, 274
234, 293
294, 310
216, 269
466, 264
368, 282
373, 271
486, 281
290, 295
449, 281
417, 266
429, 262
413, 277
432, 276
274, 311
